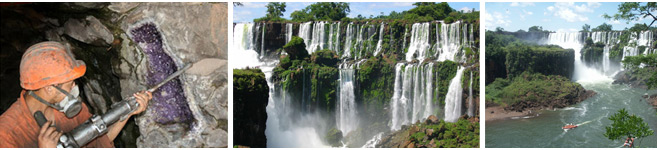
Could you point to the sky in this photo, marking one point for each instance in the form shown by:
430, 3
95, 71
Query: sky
559, 17
252, 10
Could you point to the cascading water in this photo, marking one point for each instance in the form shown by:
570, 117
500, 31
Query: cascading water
574, 41
348, 39
419, 42
412, 99
449, 42
243, 40
288, 32
347, 119
471, 108
379, 44
453, 98
280, 132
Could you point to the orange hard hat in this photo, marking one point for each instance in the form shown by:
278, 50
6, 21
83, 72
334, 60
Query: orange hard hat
49, 63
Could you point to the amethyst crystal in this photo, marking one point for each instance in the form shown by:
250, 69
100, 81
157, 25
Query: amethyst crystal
169, 102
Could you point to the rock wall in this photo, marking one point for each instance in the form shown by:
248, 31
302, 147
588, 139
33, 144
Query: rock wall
191, 33
251, 96
117, 66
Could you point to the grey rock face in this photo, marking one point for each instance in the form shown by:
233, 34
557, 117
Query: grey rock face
89, 31
191, 33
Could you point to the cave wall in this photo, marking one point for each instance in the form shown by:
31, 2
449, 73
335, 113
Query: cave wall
97, 33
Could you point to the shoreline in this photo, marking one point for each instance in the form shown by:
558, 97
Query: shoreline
496, 113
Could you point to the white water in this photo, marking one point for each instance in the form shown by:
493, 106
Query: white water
470, 102
413, 95
348, 40
573, 41
453, 98
346, 117
372, 142
244, 53
449, 42
280, 131
379, 44
419, 42
288, 32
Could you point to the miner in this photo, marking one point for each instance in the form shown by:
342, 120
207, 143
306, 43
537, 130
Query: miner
47, 74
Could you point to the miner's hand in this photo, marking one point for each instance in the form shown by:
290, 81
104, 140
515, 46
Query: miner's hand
48, 136
142, 98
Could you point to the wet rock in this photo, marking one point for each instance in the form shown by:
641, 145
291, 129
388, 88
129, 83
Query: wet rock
432, 120
88, 30
250, 100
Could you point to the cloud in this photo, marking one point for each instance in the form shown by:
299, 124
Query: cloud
525, 13
496, 19
521, 4
465, 9
254, 5
571, 12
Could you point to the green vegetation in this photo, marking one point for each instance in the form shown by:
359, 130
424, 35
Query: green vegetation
531, 87
626, 126
508, 57
322, 11
274, 12
296, 48
634, 11
602, 27
592, 52
648, 73
461, 134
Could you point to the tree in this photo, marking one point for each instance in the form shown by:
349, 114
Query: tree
633, 11
275, 9
602, 27
586, 28
625, 126
535, 29
301, 16
437, 11
329, 10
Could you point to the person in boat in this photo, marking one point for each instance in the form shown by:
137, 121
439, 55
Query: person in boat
629, 142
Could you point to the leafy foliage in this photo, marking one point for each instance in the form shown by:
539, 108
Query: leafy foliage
531, 87
634, 11
625, 125
333, 11
296, 48
602, 27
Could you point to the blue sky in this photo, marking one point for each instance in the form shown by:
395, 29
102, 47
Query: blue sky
252, 10
560, 17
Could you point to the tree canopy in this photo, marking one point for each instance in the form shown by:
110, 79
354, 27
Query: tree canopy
634, 11
625, 125
333, 11
602, 27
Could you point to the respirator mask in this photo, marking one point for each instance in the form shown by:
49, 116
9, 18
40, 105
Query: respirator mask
71, 104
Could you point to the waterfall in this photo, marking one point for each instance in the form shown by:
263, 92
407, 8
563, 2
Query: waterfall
378, 45
280, 131
244, 53
347, 119
305, 33
470, 102
334, 37
574, 41
419, 41
413, 95
288, 34
346, 52
450, 41
453, 98
318, 39
372, 142
262, 41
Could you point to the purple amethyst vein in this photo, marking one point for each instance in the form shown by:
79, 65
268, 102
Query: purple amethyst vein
169, 100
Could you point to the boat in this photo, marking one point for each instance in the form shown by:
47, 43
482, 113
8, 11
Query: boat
569, 126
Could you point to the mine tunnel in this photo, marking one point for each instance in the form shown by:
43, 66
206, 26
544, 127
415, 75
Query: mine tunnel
127, 48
